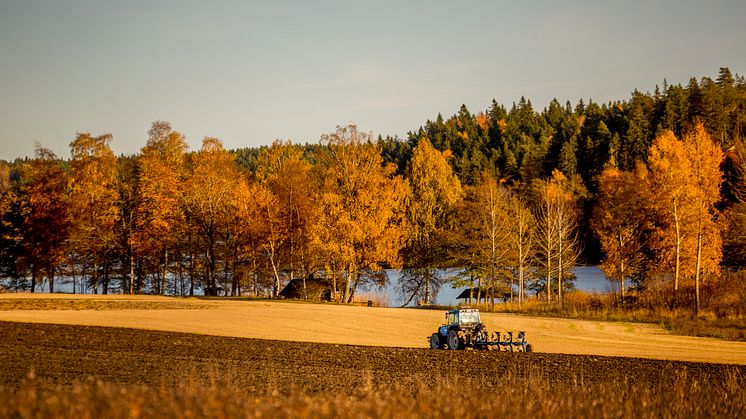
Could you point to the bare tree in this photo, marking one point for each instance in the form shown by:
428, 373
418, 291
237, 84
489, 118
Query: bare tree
557, 230
522, 233
546, 234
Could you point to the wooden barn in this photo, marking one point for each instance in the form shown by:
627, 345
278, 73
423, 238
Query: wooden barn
317, 289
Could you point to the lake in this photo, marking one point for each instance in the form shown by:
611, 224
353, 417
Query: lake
588, 279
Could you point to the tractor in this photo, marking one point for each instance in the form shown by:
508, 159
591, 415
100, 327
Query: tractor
464, 329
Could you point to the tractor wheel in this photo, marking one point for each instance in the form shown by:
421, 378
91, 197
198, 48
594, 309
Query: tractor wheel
454, 342
529, 348
435, 342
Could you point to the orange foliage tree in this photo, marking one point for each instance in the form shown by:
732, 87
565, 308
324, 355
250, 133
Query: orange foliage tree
159, 216
249, 229
705, 159
686, 179
289, 209
93, 205
209, 201
357, 232
621, 222
672, 201
45, 216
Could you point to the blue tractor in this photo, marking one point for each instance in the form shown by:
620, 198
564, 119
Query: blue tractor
464, 329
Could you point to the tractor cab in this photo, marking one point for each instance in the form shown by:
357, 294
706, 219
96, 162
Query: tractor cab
464, 318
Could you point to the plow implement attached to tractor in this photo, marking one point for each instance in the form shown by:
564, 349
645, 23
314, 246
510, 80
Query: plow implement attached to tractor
464, 329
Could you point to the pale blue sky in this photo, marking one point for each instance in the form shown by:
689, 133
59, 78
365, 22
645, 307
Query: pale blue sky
251, 72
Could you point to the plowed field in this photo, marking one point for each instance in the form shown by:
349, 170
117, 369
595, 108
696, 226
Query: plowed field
328, 323
64, 354
84, 371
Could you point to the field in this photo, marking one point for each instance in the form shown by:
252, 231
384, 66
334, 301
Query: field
59, 370
328, 323
310, 360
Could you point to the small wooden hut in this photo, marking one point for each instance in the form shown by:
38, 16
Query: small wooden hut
317, 289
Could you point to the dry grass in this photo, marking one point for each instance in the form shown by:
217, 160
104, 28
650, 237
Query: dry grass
524, 396
374, 299
7, 304
608, 307
328, 323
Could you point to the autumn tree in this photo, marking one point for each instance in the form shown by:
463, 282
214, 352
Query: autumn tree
673, 201
521, 236
208, 201
249, 228
159, 216
734, 245
557, 230
705, 158
621, 221
289, 206
11, 222
45, 225
568, 245
357, 232
93, 209
127, 205
273, 232
434, 190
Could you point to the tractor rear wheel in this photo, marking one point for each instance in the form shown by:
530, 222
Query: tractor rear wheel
454, 341
529, 348
435, 342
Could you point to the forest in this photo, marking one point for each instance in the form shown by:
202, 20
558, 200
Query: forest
505, 200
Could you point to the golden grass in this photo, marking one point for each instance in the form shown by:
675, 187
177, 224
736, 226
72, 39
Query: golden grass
523, 396
328, 323
11, 304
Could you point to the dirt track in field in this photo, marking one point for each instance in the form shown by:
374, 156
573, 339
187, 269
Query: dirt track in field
326, 323
66, 354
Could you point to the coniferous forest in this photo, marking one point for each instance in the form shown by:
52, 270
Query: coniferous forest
509, 198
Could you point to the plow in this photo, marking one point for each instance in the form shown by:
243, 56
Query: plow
464, 329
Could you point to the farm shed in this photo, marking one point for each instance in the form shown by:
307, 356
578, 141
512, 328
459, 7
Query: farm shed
317, 289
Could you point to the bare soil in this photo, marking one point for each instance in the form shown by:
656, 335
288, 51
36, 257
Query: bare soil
64, 354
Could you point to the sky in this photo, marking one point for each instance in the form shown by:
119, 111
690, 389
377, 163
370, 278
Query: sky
251, 72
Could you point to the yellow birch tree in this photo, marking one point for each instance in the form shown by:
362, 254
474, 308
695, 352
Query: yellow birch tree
673, 200
434, 191
705, 159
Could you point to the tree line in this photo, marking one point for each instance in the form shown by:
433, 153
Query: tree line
511, 199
